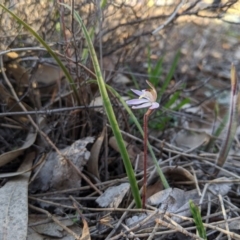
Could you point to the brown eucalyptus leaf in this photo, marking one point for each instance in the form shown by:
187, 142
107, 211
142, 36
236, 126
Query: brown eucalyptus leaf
178, 173
85, 232
154, 188
92, 164
47, 75
173, 174
46, 82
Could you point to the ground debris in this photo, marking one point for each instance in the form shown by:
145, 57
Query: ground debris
113, 196
55, 175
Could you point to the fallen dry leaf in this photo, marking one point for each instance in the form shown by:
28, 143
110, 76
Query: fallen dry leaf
178, 174
14, 204
48, 74
85, 232
54, 175
154, 188
173, 173
191, 140
52, 229
113, 196
92, 164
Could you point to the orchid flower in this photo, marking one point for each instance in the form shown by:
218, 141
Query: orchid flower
147, 98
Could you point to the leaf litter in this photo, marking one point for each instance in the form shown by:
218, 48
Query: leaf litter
14, 203
182, 157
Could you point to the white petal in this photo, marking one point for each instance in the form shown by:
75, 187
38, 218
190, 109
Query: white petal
154, 105
137, 92
136, 101
148, 104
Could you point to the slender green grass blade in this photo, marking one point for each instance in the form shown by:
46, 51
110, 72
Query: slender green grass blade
156, 73
51, 52
136, 85
103, 3
170, 74
91, 33
110, 113
221, 126
172, 100
198, 220
181, 104
217, 132
149, 63
85, 50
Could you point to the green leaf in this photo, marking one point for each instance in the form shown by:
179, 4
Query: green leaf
181, 104
110, 113
172, 100
156, 73
170, 74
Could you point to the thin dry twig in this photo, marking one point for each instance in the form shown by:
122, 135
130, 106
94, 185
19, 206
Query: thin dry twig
177, 228
153, 231
170, 19
120, 221
48, 111
42, 161
224, 214
137, 226
196, 181
129, 232
51, 203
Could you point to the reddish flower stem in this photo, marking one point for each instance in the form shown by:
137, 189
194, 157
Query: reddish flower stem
145, 140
